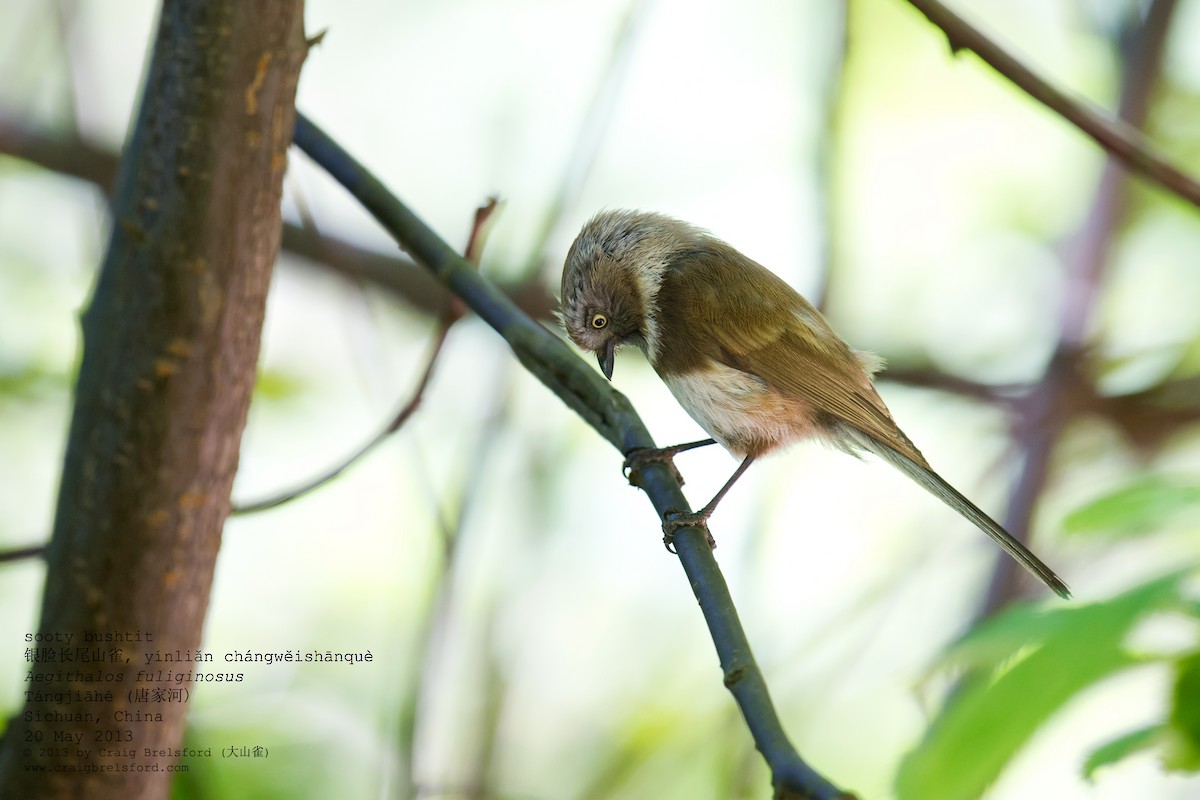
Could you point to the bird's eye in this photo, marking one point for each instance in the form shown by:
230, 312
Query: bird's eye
599, 321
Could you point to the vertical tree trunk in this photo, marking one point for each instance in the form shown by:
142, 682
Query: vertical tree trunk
170, 343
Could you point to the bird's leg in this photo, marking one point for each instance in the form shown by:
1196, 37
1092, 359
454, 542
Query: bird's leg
639, 457
674, 520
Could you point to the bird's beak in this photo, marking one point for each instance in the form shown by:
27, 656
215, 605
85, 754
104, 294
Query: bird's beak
606, 357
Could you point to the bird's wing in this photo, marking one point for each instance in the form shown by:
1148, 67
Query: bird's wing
756, 323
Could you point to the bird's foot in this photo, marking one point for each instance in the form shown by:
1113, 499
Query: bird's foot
640, 457
674, 520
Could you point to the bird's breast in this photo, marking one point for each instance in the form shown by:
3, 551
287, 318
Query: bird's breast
739, 409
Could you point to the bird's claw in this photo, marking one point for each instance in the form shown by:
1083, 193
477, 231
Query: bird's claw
674, 520
639, 457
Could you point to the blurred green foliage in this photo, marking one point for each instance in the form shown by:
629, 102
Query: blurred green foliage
1140, 507
1023, 666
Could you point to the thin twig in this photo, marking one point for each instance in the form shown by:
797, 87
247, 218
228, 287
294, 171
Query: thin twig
450, 314
610, 413
22, 553
1121, 140
925, 377
406, 411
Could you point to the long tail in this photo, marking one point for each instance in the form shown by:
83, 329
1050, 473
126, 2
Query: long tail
951, 497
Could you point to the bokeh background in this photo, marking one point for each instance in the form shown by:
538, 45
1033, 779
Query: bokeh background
530, 637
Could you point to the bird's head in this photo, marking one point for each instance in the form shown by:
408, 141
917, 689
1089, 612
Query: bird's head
610, 281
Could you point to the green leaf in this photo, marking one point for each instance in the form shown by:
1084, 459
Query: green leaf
1022, 667
1122, 747
1138, 508
1183, 747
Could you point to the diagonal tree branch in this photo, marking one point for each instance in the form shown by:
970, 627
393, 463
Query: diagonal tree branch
1123, 141
611, 415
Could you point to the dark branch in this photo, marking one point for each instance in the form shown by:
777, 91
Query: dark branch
22, 553
611, 414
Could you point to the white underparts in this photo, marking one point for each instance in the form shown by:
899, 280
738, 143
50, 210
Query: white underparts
735, 407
